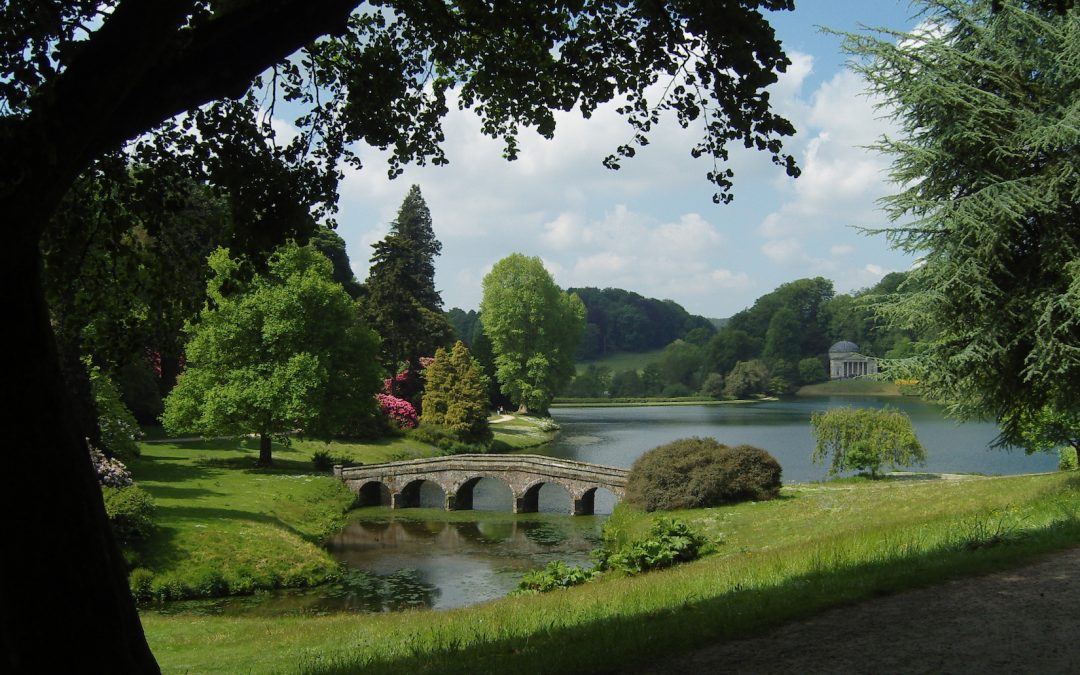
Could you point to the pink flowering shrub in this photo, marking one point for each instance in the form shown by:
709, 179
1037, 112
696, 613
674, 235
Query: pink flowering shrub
398, 410
426, 361
110, 472
400, 380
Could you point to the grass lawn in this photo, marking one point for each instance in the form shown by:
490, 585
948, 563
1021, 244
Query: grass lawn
819, 545
225, 527
523, 432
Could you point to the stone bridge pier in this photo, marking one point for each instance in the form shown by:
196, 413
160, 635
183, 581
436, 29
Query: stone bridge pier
398, 484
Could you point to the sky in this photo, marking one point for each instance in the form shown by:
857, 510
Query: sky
652, 227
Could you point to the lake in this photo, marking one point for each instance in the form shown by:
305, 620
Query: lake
618, 436
439, 562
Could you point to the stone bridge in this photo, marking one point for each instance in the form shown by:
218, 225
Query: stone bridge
397, 484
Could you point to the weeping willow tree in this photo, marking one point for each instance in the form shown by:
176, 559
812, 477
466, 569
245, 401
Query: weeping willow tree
986, 99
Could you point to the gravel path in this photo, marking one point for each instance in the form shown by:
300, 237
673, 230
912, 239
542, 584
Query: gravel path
1024, 620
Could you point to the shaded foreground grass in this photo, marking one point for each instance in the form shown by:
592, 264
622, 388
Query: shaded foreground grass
818, 546
226, 527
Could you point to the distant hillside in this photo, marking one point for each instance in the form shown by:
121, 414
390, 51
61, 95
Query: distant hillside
619, 321
719, 324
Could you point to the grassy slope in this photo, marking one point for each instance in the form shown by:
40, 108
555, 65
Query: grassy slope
818, 545
624, 361
226, 527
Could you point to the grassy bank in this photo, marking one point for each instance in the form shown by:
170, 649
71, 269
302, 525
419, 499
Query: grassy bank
225, 527
819, 545
628, 402
522, 433
851, 388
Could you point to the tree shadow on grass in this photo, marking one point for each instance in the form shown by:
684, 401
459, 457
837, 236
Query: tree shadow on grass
631, 643
208, 514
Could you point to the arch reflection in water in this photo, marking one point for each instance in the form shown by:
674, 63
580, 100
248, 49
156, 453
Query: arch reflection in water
468, 562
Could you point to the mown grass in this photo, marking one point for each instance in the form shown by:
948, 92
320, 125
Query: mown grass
226, 527
818, 546
624, 361
523, 432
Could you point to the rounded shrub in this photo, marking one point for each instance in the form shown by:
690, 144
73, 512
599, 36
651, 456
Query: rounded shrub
131, 512
700, 472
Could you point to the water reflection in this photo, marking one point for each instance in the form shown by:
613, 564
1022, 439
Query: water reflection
394, 563
618, 436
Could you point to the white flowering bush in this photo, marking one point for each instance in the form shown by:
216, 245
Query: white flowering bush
110, 472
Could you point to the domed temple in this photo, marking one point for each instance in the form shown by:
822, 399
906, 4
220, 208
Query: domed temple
845, 362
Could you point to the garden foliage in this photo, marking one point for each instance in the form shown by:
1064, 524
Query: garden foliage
534, 329
110, 472
398, 411
131, 512
701, 472
119, 430
276, 352
456, 395
865, 439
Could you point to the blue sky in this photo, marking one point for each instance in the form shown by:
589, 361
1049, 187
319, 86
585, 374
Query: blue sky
652, 227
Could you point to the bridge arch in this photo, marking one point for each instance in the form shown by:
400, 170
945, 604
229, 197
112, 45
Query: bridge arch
529, 500
465, 492
458, 475
416, 492
373, 493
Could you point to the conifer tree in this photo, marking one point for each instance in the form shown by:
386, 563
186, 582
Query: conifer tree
455, 395
402, 304
987, 158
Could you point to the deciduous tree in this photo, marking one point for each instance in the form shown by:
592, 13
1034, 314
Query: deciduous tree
281, 352
534, 329
864, 439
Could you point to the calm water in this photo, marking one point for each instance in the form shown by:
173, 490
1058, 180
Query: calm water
618, 436
395, 563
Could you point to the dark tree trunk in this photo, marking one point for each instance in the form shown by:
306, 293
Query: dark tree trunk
82, 408
264, 451
64, 575
170, 369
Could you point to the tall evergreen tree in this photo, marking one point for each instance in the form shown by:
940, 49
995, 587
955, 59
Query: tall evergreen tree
987, 158
413, 224
402, 303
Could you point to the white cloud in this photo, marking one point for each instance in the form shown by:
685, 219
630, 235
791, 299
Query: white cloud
783, 251
839, 250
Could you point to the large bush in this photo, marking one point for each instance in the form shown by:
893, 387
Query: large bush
131, 512
699, 472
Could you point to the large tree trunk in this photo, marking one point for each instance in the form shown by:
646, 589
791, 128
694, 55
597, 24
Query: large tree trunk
64, 575
264, 451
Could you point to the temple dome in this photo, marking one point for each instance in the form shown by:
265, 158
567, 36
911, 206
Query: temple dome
843, 346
